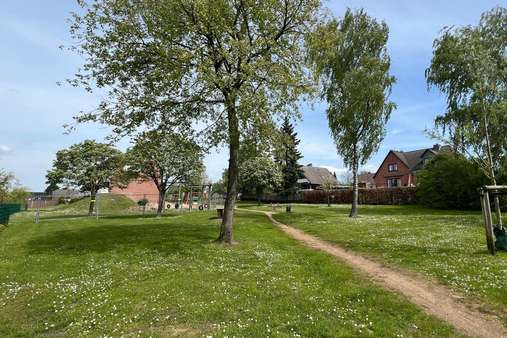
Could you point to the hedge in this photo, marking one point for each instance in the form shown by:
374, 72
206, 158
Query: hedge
383, 196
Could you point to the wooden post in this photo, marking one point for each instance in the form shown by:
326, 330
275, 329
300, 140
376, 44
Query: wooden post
488, 223
37, 214
483, 207
97, 205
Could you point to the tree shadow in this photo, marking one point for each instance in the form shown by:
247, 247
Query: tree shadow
164, 238
106, 216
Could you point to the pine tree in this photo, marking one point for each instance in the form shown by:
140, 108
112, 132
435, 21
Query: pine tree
288, 156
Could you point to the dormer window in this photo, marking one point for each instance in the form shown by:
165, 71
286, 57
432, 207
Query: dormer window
392, 167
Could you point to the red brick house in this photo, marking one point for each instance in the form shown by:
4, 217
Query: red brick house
366, 180
137, 190
399, 167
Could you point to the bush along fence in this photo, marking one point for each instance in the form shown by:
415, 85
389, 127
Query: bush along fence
382, 196
6, 210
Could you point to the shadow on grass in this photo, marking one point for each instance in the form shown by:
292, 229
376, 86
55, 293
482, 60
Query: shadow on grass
165, 238
365, 209
106, 216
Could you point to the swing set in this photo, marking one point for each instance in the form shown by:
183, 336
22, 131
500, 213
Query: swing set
195, 197
496, 237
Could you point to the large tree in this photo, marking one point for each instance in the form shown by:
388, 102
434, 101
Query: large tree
287, 156
89, 166
165, 159
469, 66
351, 58
228, 64
259, 174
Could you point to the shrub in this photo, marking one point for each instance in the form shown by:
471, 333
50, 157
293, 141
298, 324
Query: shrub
450, 181
142, 202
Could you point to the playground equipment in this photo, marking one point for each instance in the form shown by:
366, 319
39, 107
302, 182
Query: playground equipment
196, 197
493, 231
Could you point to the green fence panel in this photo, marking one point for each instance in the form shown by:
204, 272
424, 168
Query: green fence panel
6, 210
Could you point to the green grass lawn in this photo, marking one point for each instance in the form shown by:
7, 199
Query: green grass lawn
136, 276
448, 245
108, 204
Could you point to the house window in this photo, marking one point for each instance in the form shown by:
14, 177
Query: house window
392, 167
393, 182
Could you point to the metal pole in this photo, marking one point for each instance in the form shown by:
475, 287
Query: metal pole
37, 213
97, 206
209, 197
179, 198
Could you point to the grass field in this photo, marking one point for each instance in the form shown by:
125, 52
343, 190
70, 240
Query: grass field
447, 245
142, 276
108, 204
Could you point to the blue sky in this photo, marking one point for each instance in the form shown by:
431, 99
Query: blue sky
33, 108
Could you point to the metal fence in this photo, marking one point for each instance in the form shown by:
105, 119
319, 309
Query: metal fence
6, 210
113, 204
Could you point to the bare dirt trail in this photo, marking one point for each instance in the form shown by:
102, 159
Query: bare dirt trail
434, 299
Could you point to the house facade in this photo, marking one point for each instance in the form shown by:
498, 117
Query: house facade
315, 177
137, 190
366, 180
399, 168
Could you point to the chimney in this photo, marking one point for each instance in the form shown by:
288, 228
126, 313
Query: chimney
436, 147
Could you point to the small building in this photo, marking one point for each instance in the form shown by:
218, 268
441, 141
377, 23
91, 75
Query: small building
399, 167
315, 177
366, 180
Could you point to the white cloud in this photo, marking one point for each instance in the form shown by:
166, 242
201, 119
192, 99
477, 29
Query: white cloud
336, 170
5, 149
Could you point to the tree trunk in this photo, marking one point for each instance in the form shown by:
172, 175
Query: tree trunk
161, 202
328, 200
93, 196
226, 229
355, 188
492, 172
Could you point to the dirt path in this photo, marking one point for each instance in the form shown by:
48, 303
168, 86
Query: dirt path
433, 298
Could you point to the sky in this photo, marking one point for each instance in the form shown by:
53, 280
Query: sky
33, 108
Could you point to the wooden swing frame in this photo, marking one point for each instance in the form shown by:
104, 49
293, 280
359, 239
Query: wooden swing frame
485, 193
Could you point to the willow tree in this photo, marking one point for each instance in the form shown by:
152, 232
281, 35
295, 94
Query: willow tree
469, 66
221, 66
351, 59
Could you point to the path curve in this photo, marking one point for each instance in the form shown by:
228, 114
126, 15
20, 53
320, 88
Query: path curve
433, 298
